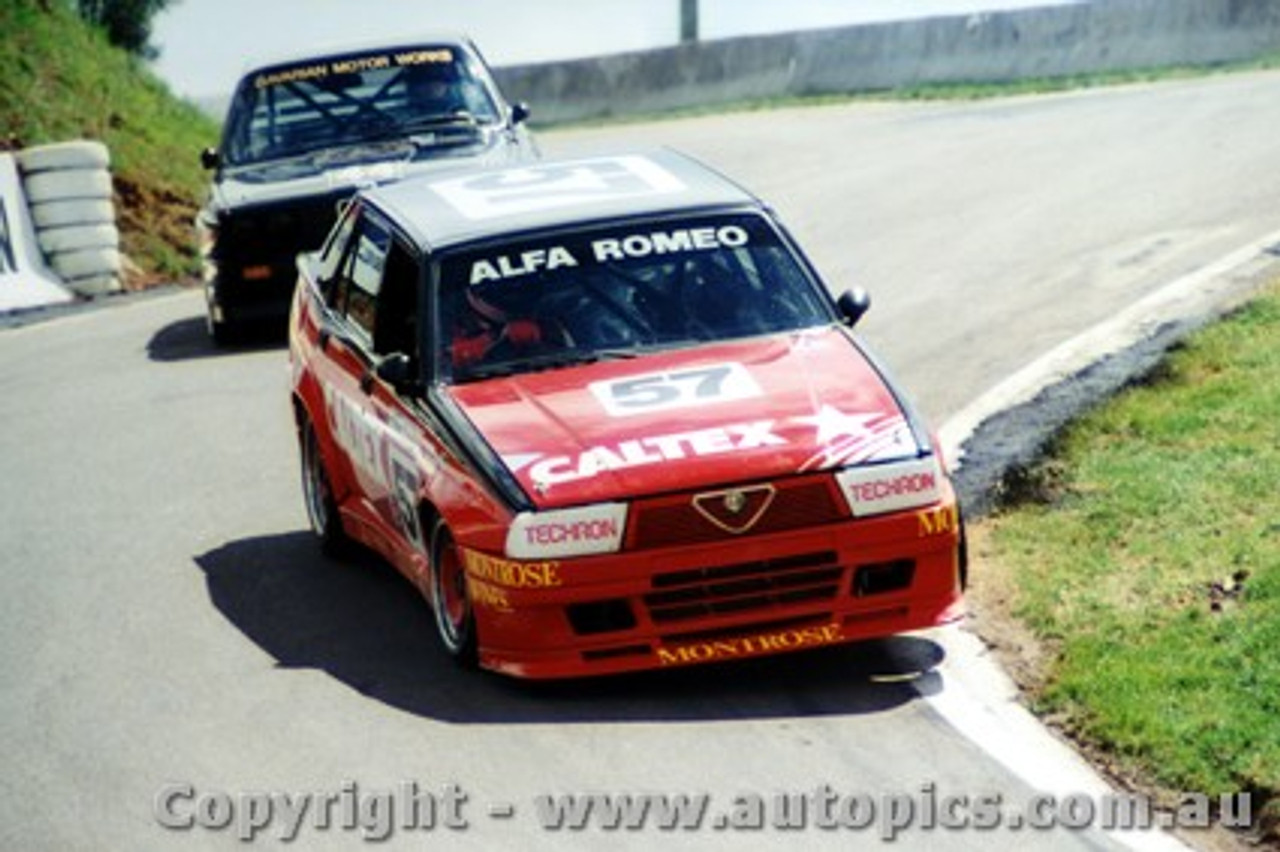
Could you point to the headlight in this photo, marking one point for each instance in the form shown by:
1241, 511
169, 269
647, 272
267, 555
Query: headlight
206, 234
207, 241
567, 532
881, 488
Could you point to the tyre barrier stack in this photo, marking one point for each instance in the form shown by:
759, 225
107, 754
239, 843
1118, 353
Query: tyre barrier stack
69, 192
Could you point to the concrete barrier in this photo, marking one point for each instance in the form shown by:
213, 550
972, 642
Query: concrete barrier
1054, 41
25, 281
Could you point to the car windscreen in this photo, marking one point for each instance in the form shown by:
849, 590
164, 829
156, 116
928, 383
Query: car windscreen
618, 291
436, 92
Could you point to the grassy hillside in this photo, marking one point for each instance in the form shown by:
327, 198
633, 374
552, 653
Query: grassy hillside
61, 80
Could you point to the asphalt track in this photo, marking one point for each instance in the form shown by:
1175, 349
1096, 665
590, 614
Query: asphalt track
166, 619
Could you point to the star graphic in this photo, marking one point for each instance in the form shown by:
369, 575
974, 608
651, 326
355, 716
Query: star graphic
833, 423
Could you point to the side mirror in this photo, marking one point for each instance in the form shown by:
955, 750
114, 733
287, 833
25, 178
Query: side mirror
853, 304
209, 158
520, 113
396, 370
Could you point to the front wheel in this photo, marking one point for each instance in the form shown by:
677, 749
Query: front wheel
450, 601
221, 332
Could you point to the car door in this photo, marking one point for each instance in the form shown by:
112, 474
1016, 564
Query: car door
347, 343
409, 456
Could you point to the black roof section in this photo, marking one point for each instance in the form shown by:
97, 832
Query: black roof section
454, 207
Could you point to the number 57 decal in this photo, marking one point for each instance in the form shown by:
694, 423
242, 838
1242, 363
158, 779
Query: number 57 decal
675, 389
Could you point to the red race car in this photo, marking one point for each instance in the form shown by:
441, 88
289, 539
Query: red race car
605, 415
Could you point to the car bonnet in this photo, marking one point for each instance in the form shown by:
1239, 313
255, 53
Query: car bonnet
353, 167
727, 413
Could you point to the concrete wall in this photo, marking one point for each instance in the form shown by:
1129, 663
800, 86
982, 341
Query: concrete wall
25, 281
1103, 35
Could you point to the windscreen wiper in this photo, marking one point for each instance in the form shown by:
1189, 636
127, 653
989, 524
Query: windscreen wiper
550, 361
458, 118
390, 147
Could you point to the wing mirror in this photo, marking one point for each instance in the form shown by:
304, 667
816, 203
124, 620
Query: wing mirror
396, 370
520, 113
853, 304
210, 159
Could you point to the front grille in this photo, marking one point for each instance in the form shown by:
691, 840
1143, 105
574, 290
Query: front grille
279, 230
743, 587
671, 521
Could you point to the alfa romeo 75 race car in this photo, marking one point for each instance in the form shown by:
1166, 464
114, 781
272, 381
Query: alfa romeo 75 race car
606, 416
302, 134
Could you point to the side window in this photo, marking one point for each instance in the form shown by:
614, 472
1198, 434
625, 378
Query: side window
396, 324
333, 253
363, 278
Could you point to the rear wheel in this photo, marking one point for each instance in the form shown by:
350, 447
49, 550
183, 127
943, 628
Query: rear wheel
455, 620
317, 492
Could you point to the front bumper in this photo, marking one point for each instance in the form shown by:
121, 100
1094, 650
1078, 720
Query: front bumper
745, 597
232, 298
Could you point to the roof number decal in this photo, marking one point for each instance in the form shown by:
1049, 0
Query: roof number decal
539, 188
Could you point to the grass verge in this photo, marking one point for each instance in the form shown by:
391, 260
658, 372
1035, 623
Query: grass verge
1144, 580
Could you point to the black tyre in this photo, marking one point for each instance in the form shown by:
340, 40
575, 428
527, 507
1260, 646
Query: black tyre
317, 492
222, 333
450, 600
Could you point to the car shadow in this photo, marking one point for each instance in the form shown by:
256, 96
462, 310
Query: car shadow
188, 340
364, 625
